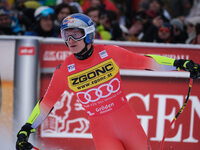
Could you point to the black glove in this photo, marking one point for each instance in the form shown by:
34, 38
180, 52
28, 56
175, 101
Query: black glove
22, 137
188, 65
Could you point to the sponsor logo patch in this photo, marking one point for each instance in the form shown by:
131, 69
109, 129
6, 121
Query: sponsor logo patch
93, 76
103, 54
68, 20
71, 67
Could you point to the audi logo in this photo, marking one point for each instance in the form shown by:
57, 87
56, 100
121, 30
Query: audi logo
103, 91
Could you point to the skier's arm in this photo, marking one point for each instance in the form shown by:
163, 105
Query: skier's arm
162, 60
41, 110
180, 64
132, 60
160, 63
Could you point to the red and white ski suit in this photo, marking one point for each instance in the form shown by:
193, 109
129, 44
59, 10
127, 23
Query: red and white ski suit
97, 84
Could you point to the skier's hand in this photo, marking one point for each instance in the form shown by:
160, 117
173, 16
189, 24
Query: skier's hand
22, 138
188, 65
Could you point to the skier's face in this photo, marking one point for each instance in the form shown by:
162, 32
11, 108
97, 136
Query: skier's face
75, 46
74, 37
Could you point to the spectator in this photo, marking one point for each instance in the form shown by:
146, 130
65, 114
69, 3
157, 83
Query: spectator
140, 24
95, 14
44, 25
116, 31
179, 35
164, 34
106, 4
195, 10
125, 32
180, 7
25, 13
156, 8
61, 11
111, 24
9, 25
75, 5
159, 33
191, 32
151, 31
135, 30
191, 22
196, 39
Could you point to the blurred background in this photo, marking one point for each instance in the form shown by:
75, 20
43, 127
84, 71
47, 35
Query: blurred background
31, 48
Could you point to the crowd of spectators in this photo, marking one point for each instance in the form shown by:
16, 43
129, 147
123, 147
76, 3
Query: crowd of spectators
161, 21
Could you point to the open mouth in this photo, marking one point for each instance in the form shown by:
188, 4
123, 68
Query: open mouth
73, 46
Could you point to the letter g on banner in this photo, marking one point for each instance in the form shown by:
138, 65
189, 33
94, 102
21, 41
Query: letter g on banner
103, 91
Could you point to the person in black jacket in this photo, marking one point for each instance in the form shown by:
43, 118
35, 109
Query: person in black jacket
44, 25
9, 25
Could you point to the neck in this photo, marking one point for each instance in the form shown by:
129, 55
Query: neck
85, 53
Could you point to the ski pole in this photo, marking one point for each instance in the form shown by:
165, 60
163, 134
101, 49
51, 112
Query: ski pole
180, 111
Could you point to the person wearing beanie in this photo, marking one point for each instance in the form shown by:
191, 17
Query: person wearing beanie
179, 35
177, 23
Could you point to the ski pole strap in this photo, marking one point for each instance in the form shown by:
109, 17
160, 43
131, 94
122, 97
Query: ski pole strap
180, 111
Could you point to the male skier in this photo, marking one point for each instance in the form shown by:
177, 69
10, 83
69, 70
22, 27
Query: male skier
92, 73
